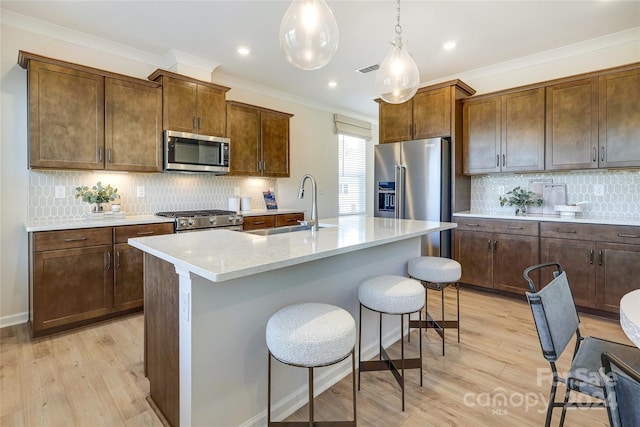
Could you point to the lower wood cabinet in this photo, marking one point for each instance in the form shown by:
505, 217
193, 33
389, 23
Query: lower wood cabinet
493, 253
83, 275
270, 221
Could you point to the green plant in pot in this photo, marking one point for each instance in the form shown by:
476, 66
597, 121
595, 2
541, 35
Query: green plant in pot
97, 195
521, 199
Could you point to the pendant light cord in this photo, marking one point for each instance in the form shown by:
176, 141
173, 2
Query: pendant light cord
398, 27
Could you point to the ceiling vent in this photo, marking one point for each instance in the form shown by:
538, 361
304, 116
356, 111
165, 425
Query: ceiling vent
368, 69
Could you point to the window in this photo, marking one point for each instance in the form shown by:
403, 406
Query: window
352, 187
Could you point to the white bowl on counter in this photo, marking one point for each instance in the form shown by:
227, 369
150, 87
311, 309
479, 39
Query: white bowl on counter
568, 210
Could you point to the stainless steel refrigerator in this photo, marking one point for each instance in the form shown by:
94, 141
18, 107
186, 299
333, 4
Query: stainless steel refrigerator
413, 181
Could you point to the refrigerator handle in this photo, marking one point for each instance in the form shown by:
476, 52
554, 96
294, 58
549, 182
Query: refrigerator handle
400, 176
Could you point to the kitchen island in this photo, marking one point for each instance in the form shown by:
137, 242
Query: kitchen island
209, 294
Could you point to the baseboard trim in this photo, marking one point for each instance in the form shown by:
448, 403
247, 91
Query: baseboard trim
13, 319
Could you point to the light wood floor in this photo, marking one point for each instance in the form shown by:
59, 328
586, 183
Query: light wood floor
94, 376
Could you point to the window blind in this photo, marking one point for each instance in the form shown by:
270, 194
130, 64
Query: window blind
353, 127
352, 175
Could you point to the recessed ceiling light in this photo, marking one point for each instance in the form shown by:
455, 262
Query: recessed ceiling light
244, 50
449, 45
333, 83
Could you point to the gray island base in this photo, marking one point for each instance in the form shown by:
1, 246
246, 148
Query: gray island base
208, 296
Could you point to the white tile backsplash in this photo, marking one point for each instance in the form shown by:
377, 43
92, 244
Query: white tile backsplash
621, 198
163, 192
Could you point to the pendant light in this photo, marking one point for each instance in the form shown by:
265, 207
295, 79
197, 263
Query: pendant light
397, 78
309, 34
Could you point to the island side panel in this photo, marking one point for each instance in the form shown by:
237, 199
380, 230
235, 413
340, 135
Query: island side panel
228, 320
162, 363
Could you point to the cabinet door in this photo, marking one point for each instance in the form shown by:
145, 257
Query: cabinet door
577, 258
473, 252
620, 119
481, 136
396, 122
258, 222
211, 111
133, 134
66, 117
572, 125
243, 128
275, 144
432, 113
512, 254
128, 289
289, 219
179, 105
71, 285
617, 273
522, 142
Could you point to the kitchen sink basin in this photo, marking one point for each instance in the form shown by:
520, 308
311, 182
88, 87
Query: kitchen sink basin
289, 229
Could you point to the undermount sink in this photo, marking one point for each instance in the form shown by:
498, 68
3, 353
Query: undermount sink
289, 229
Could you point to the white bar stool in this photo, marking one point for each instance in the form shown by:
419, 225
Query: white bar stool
437, 273
390, 294
311, 335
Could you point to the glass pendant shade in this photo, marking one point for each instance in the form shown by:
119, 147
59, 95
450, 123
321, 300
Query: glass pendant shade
309, 34
397, 78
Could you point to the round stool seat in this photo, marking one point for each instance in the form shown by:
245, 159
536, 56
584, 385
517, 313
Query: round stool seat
435, 269
392, 294
311, 334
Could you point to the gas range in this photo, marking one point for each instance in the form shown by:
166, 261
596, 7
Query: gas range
204, 219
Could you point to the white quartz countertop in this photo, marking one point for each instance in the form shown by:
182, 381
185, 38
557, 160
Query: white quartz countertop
67, 224
220, 255
552, 218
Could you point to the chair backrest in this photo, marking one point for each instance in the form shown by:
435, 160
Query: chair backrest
622, 391
555, 315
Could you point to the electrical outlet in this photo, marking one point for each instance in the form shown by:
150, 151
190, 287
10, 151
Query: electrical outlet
59, 192
501, 190
598, 189
140, 191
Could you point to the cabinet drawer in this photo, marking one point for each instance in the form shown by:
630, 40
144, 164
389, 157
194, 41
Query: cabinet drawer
257, 222
289, 219
604, 233
66, 239
126, 232
527, 228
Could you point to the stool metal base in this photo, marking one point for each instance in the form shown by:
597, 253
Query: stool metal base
438, 325
311, 422
385, 363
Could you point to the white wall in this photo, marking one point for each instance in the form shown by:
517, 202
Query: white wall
313, 145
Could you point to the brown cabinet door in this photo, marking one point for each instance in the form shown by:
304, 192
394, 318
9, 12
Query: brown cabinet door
620, 119
473, 252
522, 142
577, 258
211, 111
617, 272
243, 128
133, 134
71, 285
512, 254
481, 136
66, 117
275, 144
396, 122
289, 219
258, 222
432, 113
128, 289
179, 105
572, 125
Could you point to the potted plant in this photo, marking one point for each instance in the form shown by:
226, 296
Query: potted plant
97, 195
520, 198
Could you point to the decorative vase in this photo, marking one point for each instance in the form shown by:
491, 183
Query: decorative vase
97, 207
521, 211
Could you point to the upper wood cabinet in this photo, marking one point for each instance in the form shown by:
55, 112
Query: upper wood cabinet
191, 105
85, 118
572, 125
504, 133
426, 115
259, 140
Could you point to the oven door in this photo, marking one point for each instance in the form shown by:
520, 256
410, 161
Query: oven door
190, 152
231, 228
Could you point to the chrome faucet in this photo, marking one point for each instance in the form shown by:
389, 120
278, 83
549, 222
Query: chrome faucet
314, 199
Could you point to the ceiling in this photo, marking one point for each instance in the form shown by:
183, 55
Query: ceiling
486, 33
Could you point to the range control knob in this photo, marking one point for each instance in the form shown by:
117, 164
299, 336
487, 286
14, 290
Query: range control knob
192, 221
183, 222
212, 220
239, 219
231, 218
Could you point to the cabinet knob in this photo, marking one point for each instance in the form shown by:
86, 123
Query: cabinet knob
77, 239
632, 236
495, 246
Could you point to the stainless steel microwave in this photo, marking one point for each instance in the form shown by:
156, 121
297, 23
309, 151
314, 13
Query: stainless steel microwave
190, 152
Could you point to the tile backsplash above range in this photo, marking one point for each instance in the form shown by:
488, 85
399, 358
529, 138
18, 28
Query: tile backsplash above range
51, 193
608, 194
